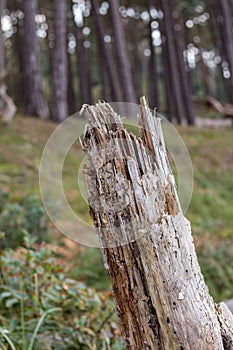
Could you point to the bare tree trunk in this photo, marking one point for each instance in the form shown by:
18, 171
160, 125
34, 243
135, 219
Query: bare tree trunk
7, 106
153, 72
133, 39
107, 87
59, 63
180, 84
204, 75
106, 53
33, 85
71, 94
121, 47
2, 47
171, 105
167, 83
83, 68
161, 298
173, 62
228, 37
184, 82
215, 28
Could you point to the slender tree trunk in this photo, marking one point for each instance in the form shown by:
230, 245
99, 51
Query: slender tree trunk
121, 48
187, 38
106, 53
153, 71
33, 85
167, 82
137, 67
83, 68
2, 46
217, 40
184, 83
181, 88
71, 95
7, 106
59, 79
168, 77
107, 87
160, 295
204, 74
228, 37
134, 38
173, 61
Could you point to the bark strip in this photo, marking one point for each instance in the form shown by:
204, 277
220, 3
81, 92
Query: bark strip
161, 299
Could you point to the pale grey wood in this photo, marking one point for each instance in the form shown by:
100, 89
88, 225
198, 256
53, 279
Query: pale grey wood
161, 298
229, 303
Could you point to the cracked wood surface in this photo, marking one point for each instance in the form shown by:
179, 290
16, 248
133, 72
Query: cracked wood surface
161, 299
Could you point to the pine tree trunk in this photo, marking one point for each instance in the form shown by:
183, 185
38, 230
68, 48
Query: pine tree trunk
107, 87
83, 68
106, 53
7, 106
33, 85
121, 47
2, 46
59, 79
184, 83
133, 39
152, 71
171, 110
180, 85
71, 94
227, 28
173, 62
160, 295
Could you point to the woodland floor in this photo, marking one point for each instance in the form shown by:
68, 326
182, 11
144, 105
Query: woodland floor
210, 211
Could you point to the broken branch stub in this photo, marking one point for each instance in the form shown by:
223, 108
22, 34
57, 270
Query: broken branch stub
161, 299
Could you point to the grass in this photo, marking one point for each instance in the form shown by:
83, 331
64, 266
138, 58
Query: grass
210, 211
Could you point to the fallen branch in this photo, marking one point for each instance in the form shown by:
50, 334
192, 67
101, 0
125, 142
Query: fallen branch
226, 109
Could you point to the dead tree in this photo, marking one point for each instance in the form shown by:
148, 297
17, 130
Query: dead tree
161, 299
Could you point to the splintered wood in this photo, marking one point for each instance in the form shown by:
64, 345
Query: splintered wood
161, 299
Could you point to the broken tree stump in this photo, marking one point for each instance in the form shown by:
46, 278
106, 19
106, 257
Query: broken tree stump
161, 299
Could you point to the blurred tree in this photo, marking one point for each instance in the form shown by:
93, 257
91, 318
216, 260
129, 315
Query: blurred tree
135, 36
59, 79
35, 103
2, 48
122, 53
227, 29
167, 80
7, 106
120, 50
152, 66
71, 100
180, 86
108, 63
83, 66
169, 37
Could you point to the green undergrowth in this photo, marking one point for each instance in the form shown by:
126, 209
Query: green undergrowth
43, 307
210, 213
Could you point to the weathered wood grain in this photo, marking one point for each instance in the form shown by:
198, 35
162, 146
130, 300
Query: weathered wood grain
161, 299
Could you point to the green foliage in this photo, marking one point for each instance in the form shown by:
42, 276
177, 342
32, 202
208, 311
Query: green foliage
42, 308
90, 268
217, 266
17, 217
